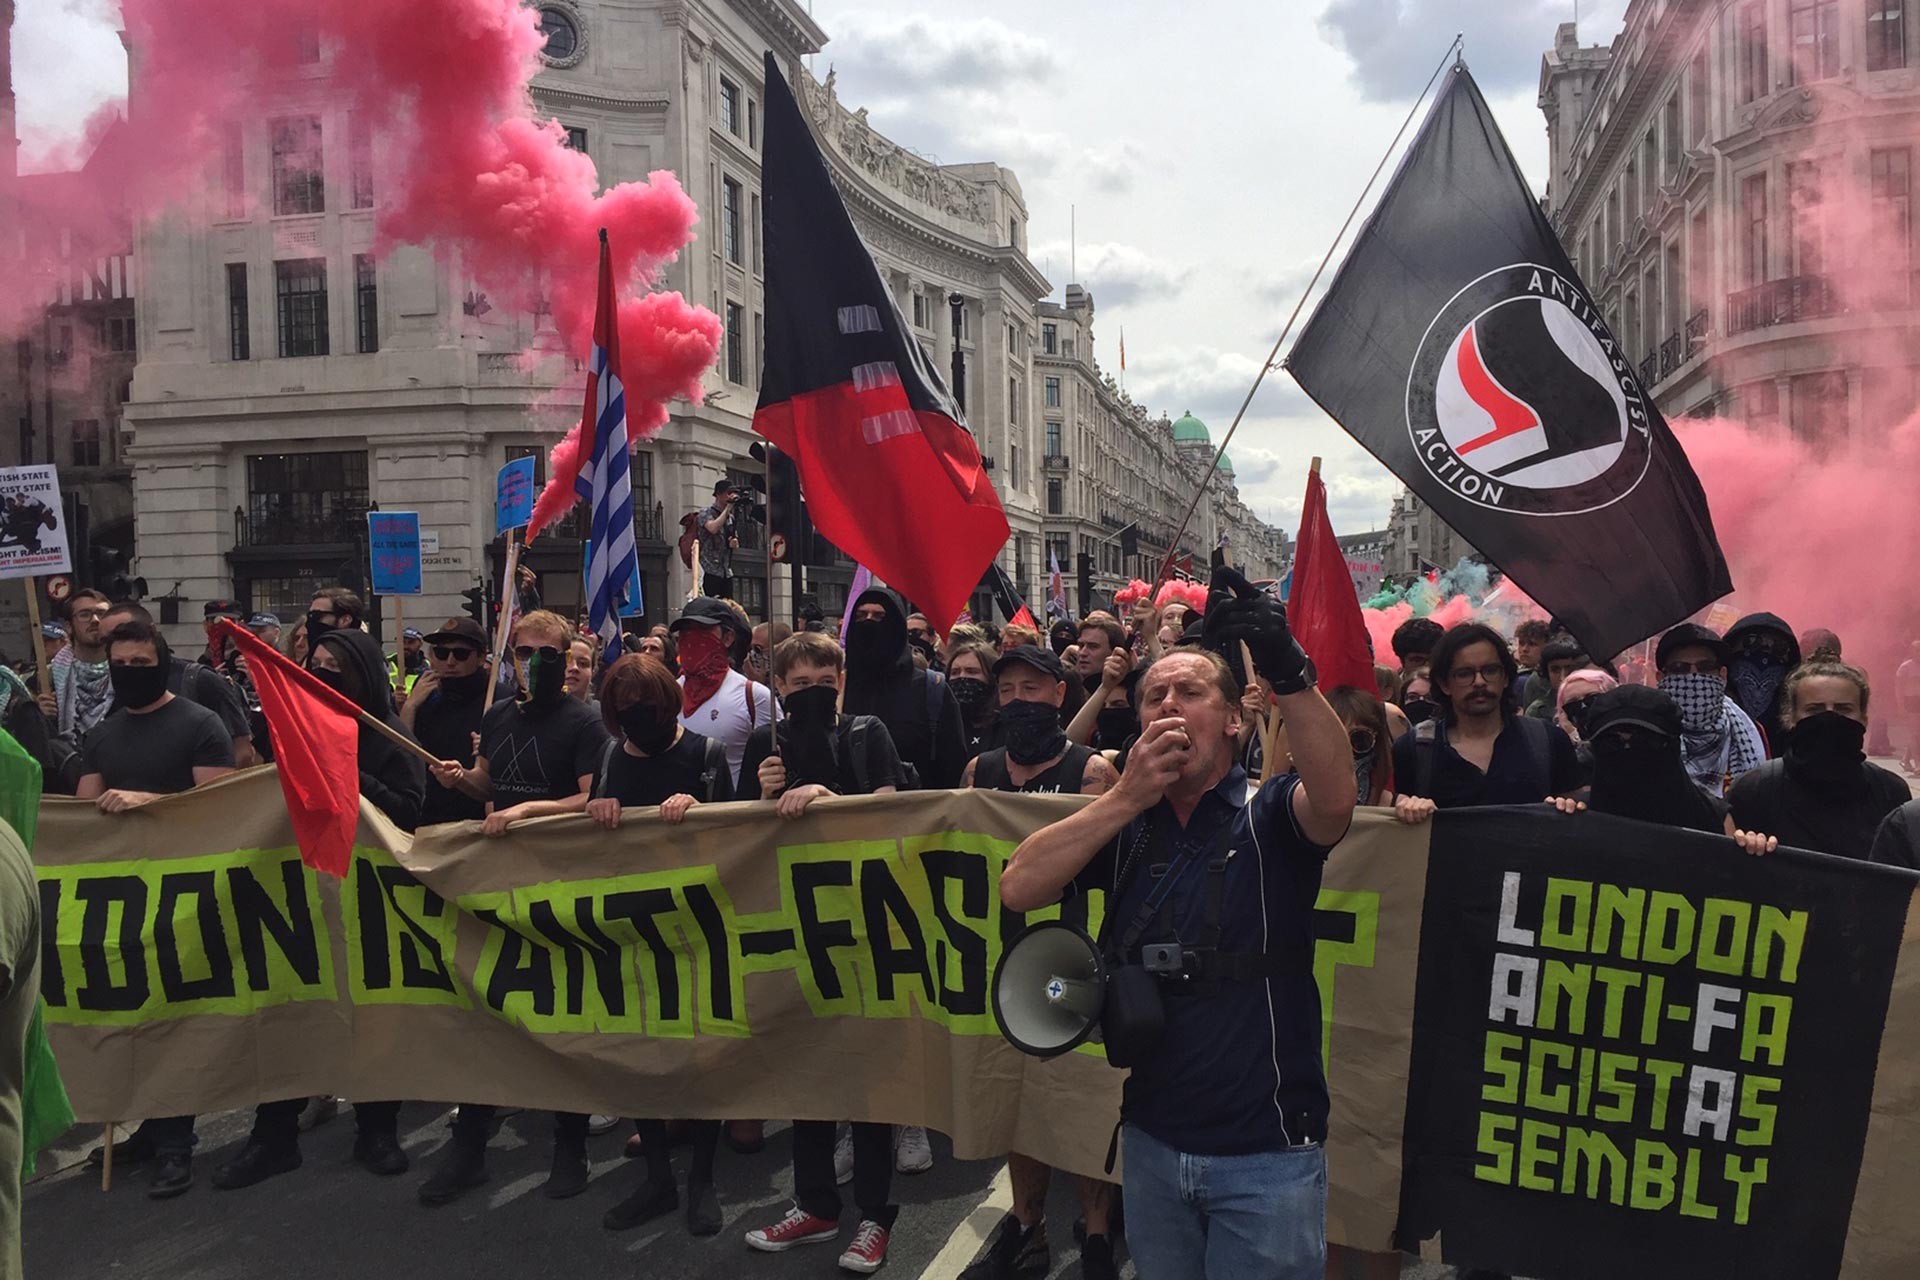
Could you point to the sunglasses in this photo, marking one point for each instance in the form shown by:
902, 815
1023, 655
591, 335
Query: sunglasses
1577, 709
1700, 667
547, 652
446, 654
1362, 741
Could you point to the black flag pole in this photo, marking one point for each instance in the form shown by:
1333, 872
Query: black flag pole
1166, 567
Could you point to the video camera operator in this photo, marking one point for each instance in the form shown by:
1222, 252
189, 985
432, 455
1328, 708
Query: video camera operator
1211, 887
719, 539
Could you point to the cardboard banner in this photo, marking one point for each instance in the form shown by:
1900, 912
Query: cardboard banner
1557, 1046
33, 523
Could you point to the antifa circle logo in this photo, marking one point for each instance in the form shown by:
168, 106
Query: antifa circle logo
1520, 400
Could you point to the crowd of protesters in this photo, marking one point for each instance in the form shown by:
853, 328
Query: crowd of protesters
1150, 710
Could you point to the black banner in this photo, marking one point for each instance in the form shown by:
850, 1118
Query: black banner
1630, 1037
1460, 347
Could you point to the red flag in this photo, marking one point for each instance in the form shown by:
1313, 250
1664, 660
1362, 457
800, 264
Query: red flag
890, 472
316, 745
1322, 607
1024, 618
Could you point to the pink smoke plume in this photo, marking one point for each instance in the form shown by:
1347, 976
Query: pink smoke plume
460, 163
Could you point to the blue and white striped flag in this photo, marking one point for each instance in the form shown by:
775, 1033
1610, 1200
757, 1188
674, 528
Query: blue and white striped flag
605, 479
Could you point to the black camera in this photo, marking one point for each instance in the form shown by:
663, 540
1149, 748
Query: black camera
1168, 959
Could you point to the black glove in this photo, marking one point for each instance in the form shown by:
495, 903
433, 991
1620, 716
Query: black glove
1238, 612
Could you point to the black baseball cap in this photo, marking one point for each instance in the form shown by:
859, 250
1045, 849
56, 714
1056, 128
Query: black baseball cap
1690, 633
223, 609
724, 486
1044, 661
1632, 704
704, 611
465, 630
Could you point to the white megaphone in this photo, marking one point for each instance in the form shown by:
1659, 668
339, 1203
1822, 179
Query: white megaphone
1049, 990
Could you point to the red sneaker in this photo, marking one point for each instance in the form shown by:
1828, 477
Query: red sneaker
868, 1252
798, 1227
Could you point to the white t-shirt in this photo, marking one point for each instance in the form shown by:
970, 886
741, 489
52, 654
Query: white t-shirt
726, 719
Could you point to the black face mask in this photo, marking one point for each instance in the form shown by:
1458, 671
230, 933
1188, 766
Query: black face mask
1642, 777
471, 685
925, 646
1826, 749
867, 644
807, 735
546, 677
971, 694
317, 628
1420, 710
644, 729
334, 680
137, 686
1113, 726
1032, 730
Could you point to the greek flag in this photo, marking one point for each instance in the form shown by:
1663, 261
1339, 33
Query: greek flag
605, 479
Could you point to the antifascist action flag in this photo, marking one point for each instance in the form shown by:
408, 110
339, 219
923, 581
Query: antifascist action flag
892, 476
316, 746
1322, 607
1460, 347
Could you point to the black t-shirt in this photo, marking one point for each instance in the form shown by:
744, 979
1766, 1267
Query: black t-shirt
213, 691
1530, 762
540, 755
1897, 843
1769, 800
157, 751
640, 781
882, 761
445, 726
1239, 1064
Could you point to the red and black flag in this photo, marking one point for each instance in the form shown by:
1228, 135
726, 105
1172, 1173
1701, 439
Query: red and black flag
891, 473
1460, 347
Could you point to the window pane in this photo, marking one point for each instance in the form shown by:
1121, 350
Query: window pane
360, 159
299, 168
366, 305
301, 288
295, 498
240, 345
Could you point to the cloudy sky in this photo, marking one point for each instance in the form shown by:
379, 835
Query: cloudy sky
1210, 150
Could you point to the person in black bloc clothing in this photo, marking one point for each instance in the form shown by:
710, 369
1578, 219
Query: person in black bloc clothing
651, 761
538, 755
154, 743
820, 752
1211, 887
916, 706
197, 683
350, 663
1038, 759
443, 711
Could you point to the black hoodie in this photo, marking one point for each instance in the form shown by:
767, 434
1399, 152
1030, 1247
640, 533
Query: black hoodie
393, 779
1758, 693
920, 712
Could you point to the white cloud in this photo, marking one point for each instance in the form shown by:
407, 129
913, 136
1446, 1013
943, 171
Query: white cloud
67, 64
1395, 45
916, 54
1118, 274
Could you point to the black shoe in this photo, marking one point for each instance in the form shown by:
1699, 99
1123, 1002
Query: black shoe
137, 1148
171, 1176
1096, 1260
380, 1153
257, 1162
569, 1176
461, 1169
646, 1204
1012, 1250
703, 1210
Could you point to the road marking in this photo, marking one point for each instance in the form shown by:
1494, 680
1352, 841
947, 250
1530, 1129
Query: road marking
967, 1238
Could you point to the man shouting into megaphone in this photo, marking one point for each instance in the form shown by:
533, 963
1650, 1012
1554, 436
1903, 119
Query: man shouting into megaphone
1209, 937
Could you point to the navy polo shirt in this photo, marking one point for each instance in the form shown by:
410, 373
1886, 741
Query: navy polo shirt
1240, 1062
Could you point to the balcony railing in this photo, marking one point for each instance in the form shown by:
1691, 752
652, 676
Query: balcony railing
650, 525
272, 528
1649, 369
1782, 302
1054, 462
1673, 354
1697, 326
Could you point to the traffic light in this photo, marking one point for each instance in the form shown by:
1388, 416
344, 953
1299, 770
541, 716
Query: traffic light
476, 598
1086, 583
785, 509
110, 575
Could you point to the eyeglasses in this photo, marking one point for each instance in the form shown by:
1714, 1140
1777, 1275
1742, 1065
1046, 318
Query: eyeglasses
88, 615
445, 654
1698, 667
1466, 675
547, 652
1362, 741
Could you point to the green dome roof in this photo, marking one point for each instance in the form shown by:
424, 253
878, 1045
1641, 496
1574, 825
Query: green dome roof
1225, 464
1189, 429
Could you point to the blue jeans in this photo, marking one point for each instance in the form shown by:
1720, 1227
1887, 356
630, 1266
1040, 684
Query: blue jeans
1253, 1217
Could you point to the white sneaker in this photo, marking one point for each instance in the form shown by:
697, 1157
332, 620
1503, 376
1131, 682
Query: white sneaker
911, 1151
597, 1125
843, 1158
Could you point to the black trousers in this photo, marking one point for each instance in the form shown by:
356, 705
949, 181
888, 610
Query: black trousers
813, 1188
278, 1123
169, 1134
717, 585
476, 1118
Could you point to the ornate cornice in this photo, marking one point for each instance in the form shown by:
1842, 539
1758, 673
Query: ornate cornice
605, 102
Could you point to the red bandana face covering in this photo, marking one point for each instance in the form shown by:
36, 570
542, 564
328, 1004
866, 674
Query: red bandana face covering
703, 661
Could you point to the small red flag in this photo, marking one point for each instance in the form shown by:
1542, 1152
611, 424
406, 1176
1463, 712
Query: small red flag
1322, 607
316, 745
1024, 618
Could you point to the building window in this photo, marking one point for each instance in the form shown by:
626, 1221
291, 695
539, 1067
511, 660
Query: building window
1053, 440
1013, 402
301, 287
116, 334
296, 498
1750, 50
575, 138
1806, 231
1013, 341
1820, 405
1890, 187
1814, 29
921, 311
1649, 172
753, 234
736, 344
642, 480
1050, 339
759, 341
1629, 199
1700, 266
1053, 393
1886, 34
1055, 496
1753, 230
86, 442
299, 166
1670, 138
239, 340
233, 168
753, 123
360, 159
1697, 99
366, 305
306, 43
730, 219
730, 107
1019, 481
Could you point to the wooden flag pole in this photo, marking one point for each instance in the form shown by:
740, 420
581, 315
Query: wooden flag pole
511, 585
106, 1159
33, 626
1270, 732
